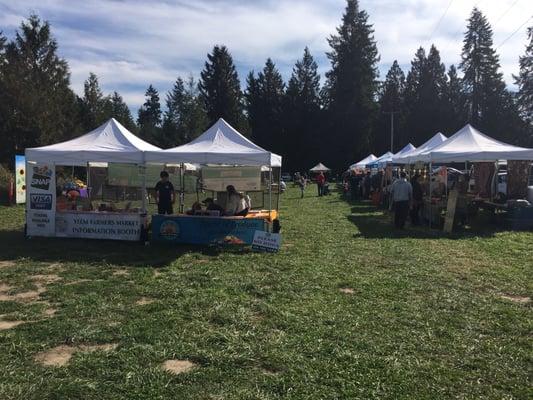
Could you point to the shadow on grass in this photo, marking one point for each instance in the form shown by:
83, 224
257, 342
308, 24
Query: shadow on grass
13, 245
374, 223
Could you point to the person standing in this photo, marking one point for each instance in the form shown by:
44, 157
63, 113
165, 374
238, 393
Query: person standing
402, 197
320, 181
418, 197
165, 196
302, 182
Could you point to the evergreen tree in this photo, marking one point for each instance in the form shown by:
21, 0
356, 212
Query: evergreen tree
220, 88
302, 116
264, 101
391, 99
38, 107
454, 98
149, 119
425, 97
93, 104
351, 87
118, 109
491, 107
185, 117
524, 81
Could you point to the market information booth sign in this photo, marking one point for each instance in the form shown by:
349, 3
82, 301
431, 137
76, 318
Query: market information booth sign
40, 200
99, 226
266, 241
205, 230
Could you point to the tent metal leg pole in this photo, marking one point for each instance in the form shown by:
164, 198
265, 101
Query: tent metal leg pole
182, 187
430, 205
143, 191
270, 194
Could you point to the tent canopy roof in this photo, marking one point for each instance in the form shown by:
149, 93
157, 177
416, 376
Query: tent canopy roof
110, 142
414, 155
220, 144
381, 159
468, 144
320, 168
362, 164
407, 148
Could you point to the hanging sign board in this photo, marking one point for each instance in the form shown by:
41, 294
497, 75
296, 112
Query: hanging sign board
266, 241
450, 211
20, 179
243, 178
99, 225
40, 199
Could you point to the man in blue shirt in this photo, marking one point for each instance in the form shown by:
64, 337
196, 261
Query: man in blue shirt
164, 194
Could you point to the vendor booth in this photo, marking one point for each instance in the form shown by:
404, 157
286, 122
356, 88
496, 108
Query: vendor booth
76, 189
485, 155
224, 158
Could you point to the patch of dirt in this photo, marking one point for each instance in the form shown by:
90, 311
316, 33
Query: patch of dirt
77, 281
10, 324
5, 288
178, 366
60, 356
347, 290
46, 279
49, 312
7, 264
157, 273
516, 299
56, 267
201, 261
113, 323
121, 272
269, 372
144, 300
24, 296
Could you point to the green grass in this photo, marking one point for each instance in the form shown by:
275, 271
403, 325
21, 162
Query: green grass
426, 319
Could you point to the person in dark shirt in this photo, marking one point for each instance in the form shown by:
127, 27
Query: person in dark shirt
212, 206
164, 194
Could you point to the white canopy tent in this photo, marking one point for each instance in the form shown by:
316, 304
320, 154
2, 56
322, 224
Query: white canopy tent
320, 168
222, 145
415, 154
387, 157
110, 142
363, 162
470, 145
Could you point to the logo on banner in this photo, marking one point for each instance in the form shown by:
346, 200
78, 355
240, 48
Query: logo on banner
169, 230
40, 201
41, 178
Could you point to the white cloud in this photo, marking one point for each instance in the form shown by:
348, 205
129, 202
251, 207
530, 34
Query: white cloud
130, 44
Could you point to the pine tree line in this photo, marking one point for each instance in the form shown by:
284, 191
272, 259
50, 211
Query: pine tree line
337, 123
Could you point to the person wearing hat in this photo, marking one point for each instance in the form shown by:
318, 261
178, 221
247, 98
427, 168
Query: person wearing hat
237, 204
212, 206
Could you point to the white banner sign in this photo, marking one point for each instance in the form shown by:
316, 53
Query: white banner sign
266, 241
40, 199
99, 225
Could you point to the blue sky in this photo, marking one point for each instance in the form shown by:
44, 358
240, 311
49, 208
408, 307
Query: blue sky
130, 44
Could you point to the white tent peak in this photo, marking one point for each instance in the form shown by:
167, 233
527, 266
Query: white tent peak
361, 164
220, 144
469, 144
408, 147
110, 142
412, 156
320, 168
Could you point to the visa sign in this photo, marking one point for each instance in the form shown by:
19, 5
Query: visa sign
40, 201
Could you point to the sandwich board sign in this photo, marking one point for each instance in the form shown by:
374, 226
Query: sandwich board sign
266, 241
450, 211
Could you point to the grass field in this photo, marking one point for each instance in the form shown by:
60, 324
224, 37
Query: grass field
349, 309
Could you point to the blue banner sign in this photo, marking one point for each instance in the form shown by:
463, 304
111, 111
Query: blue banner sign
205, 230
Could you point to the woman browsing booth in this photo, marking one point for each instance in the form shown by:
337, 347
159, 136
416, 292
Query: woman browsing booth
238, 203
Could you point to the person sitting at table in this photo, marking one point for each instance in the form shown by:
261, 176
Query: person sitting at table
212, 206
237, 203
164, 194
196, 208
